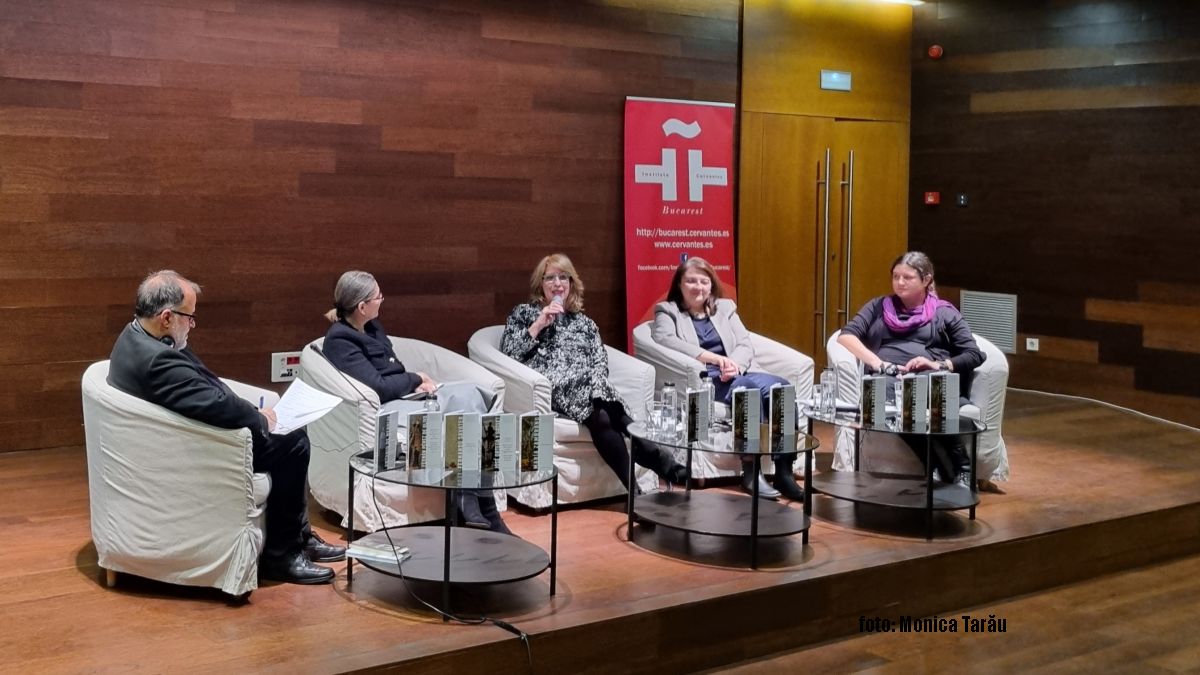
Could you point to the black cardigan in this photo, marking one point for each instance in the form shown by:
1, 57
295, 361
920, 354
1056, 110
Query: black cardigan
369, 358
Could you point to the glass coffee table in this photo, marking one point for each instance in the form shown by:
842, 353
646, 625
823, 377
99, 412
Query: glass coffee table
721, 513
449, 553
893, 490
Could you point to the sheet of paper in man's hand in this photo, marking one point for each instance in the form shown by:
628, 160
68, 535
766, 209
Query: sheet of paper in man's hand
301, 405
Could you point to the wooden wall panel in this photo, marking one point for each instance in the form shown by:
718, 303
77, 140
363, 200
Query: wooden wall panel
265, 147
1072, 127
787, 43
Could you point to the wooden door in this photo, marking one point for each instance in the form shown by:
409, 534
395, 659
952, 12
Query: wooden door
781, 218
806, 237
871, 206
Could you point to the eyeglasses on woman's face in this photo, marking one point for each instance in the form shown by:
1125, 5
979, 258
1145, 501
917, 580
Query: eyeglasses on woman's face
561, 277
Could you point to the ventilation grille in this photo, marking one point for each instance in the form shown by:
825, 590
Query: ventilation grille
992, 315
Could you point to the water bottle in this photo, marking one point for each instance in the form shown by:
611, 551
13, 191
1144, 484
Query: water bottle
670, 404
829, 392
706, 383
431, 403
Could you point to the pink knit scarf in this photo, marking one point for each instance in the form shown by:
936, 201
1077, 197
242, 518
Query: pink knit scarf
919, 317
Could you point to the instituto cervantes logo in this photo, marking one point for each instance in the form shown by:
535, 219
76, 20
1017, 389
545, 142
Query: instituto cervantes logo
665, 174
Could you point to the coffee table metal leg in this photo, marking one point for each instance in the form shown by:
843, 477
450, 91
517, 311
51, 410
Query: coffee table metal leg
630, 494
974, 484
350, 523
754, 513
807, 491
857, 445
687, 484
450, 516
554, 534
928, 486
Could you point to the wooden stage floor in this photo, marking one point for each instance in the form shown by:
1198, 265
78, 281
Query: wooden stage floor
1094, 490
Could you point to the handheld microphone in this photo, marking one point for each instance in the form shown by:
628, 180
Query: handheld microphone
556, 300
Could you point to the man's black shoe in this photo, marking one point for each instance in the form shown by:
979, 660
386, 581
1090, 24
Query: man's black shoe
297, 569
318, 551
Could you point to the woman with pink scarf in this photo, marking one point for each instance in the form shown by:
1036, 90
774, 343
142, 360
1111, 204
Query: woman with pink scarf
913, 330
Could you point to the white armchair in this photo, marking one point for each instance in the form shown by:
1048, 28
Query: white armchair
172, 499
684, 371
582, 474
988, 390
349, 429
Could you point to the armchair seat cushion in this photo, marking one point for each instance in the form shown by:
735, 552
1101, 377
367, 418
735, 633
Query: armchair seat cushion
570, 431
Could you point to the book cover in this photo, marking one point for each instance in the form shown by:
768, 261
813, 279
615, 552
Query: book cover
914, 401
699, 409
498, 442
462, 434
781, 419
425, 447
943, 400
537, 441
747, 414
872, 404
385, 440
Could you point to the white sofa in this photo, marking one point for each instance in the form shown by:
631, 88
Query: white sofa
582, 474
349, 429
684, 371
988, 390
172, 499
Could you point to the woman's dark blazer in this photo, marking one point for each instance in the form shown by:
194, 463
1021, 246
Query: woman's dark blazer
369, 358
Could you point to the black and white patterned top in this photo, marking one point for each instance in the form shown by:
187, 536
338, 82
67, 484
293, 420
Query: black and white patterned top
568, 352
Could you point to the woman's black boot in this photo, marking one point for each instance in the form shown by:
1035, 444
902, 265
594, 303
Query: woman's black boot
765, 491
487, 506
785, 479
660, 461
467, 503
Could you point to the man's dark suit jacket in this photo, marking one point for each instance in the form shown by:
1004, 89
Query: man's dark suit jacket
369, 358
176, 380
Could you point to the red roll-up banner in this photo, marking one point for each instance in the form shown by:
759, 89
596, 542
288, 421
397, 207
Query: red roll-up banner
678, 196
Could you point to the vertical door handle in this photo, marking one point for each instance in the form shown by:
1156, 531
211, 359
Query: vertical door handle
823, 186
849, 183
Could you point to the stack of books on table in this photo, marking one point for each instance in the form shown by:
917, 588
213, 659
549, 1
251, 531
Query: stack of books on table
377, 552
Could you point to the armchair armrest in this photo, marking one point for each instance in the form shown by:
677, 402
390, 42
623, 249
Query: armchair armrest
846, 367
525, 389
633, 379
989, 385
445, 365
252, 393
779, 359
669, 365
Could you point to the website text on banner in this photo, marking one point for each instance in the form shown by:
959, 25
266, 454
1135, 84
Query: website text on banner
678, 196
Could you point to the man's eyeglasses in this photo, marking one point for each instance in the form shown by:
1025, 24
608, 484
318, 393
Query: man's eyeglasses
191, 317
378, 298
547, 278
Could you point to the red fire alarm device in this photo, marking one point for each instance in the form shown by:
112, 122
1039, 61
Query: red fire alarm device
935, 52
933, 198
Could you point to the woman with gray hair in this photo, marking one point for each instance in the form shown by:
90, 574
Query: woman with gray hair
357, 345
